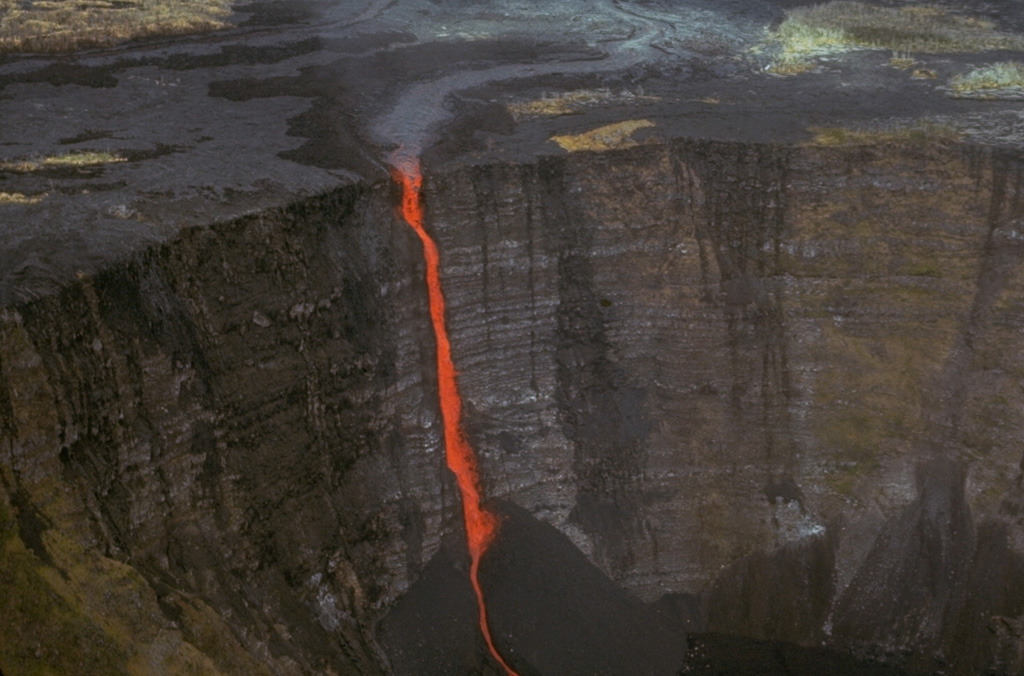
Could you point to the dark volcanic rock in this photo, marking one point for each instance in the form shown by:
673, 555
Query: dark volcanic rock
722, 377
433, 627
903, 590
679, 356
554, 612
551, 612
784, 595
720, 655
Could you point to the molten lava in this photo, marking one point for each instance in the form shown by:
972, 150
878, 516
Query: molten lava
481, 525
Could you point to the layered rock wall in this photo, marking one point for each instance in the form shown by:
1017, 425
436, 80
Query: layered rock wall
219, 415
784, 379
781, 376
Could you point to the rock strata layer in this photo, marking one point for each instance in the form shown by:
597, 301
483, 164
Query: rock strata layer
775, 388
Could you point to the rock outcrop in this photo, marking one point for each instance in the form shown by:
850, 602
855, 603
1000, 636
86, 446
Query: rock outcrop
783, 380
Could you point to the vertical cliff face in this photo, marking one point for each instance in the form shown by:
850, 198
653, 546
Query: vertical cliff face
772, 375
214, 427
782, 379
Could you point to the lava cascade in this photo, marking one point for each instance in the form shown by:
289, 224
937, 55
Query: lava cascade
481, 525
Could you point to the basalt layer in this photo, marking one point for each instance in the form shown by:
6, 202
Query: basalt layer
780, 380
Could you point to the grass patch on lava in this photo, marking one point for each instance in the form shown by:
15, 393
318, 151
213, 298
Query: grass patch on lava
920, 132
840, 26
86, 158
20, 198
998, 80
609, 137
571, 102
64, 26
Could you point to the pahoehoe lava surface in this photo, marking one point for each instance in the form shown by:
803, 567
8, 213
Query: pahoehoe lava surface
737, 351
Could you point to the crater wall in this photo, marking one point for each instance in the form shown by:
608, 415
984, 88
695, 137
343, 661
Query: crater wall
780, 379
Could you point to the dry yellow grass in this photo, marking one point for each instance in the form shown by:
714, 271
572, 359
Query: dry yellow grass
87, 158
608, 137
919, 132
572, 102
61, 25
839, 26
20, 198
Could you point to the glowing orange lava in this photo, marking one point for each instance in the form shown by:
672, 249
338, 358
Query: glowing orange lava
481, 525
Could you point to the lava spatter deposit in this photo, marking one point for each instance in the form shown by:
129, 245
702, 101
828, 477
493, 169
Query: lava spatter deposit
481, 525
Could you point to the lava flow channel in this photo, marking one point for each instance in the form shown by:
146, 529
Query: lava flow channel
481, 525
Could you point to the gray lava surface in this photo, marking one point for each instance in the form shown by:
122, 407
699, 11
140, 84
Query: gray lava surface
298, 98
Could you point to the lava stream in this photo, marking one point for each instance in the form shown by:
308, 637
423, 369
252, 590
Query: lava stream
481, 525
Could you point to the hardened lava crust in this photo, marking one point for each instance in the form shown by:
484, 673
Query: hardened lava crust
294, 99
